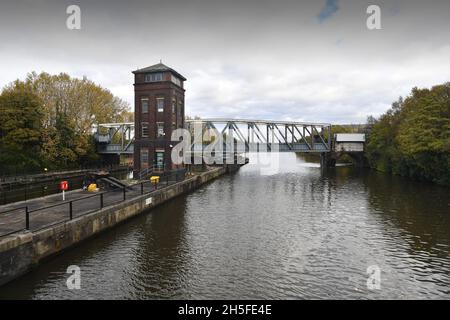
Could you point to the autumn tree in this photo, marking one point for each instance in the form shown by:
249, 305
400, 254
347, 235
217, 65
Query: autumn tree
20, 123
71, 107
63, 111
424, 135
413, 137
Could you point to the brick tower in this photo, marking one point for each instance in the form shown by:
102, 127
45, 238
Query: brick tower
159, 109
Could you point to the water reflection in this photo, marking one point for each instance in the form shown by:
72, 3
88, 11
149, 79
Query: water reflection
163, 251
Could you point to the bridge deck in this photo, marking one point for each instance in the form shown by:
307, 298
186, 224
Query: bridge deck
256, 147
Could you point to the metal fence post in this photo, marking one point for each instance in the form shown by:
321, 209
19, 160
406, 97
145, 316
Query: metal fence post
70, 210
142, 188
124, 194
101, 200
27, 218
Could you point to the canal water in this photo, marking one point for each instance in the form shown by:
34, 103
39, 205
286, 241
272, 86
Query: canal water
291, 231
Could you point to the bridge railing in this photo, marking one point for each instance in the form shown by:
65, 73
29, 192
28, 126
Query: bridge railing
115, 148
285, 136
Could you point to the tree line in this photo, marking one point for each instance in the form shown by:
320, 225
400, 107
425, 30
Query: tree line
413, 137
46, 122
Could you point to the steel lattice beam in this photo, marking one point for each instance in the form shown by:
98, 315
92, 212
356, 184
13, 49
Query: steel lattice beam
284, 136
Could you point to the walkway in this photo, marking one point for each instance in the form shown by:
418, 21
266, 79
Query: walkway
51, 210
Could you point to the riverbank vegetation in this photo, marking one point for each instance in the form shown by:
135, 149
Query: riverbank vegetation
46, 121
413, 137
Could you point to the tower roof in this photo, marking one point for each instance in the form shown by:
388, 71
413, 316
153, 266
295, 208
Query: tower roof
160, 67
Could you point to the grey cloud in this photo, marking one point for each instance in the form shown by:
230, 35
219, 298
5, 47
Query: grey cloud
254, 58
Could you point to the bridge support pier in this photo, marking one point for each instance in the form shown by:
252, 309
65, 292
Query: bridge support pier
327, 160
358, 159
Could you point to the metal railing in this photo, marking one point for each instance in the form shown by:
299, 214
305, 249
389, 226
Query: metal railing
25, 210
26, 190
145, 173
23, 176
81, 206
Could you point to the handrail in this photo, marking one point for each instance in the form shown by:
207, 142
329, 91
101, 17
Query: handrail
174, 173
6, 178
15, 209
67, 202
145, 172
28, 190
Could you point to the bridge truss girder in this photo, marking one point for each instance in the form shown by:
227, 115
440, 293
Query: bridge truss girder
118, 139
257, 135
254, 135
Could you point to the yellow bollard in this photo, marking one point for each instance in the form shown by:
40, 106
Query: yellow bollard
92, 187
154, 179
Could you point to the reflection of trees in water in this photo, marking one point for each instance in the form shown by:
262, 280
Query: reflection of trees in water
163, 253
419, 209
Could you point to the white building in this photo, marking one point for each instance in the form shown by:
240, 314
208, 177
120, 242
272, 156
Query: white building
349, 142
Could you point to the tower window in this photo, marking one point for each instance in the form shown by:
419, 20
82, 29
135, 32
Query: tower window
160, 104
153, 77
180, 108
144, 128
159, 159
175, 80
144, 157
144, 105
160, 129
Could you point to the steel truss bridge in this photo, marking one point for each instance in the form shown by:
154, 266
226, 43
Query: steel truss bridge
114, 138
251, 135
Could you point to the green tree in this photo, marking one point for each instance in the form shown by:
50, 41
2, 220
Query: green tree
424, 135
20, 129
72, 106
413, 137
47, 121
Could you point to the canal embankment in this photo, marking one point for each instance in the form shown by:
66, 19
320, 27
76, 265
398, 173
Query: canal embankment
21, 251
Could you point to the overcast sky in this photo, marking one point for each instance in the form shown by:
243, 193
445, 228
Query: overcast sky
280, 60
